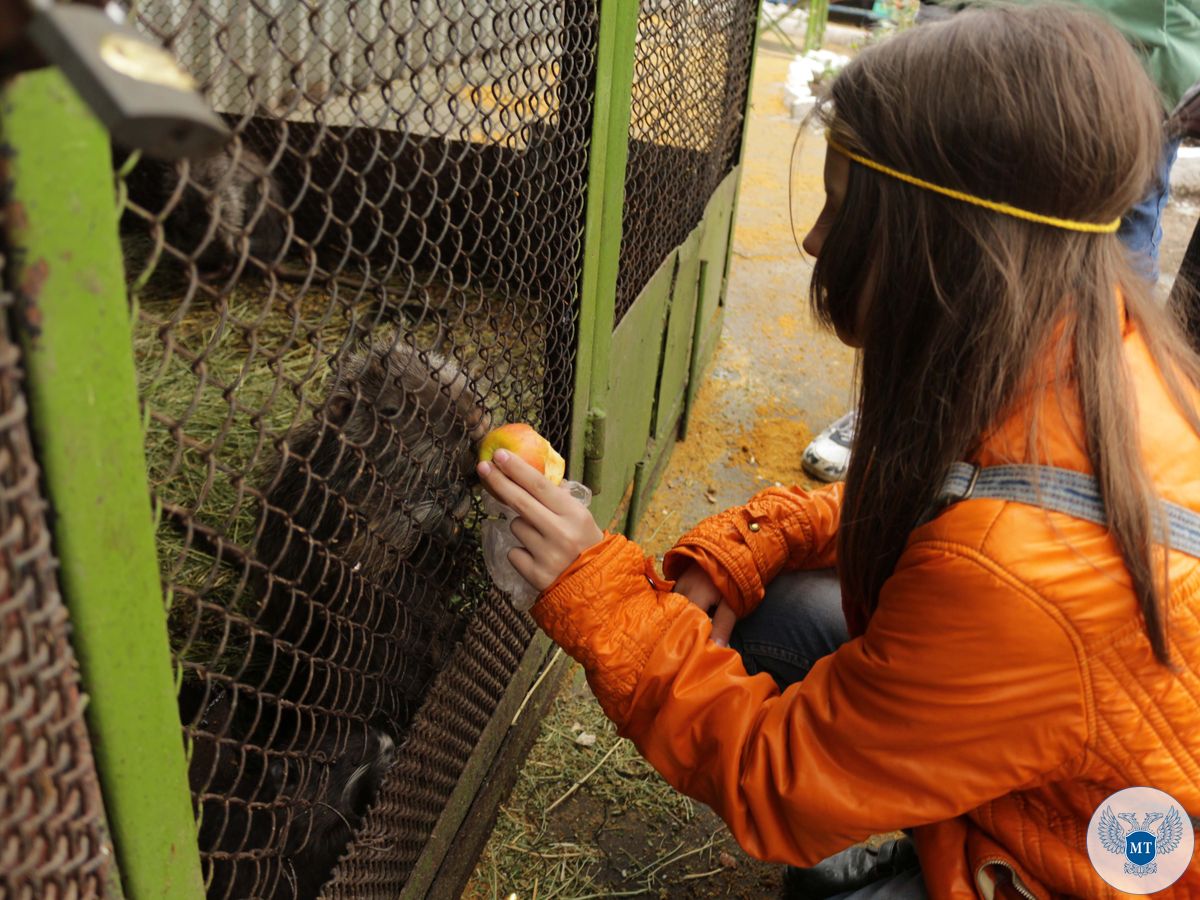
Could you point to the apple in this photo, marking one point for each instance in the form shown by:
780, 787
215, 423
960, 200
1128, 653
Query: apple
521, 440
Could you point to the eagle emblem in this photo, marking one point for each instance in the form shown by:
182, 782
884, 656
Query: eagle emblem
1141, 843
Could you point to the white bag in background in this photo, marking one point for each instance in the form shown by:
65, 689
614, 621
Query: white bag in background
498, 539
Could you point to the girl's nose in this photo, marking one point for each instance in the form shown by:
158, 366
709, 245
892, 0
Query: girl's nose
814, 240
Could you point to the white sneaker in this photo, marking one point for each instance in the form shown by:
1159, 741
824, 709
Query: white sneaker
828, 456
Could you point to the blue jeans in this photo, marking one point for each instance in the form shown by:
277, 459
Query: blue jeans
1141, 227
800, 620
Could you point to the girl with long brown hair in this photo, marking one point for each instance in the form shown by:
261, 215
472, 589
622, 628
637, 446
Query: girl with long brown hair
1012, 634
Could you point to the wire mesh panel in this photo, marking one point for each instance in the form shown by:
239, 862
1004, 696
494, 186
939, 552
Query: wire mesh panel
392, 838
52, 838
383, 263
690, 82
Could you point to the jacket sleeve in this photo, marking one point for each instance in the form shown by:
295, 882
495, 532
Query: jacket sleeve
965, 687
743, 548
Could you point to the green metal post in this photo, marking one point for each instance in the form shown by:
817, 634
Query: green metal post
814, 32
74, 322
605, 204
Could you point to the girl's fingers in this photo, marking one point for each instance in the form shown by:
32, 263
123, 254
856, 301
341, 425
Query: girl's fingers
522, 560
694, 585
529, 536
534, 482
551, 553
496, 479
723, 622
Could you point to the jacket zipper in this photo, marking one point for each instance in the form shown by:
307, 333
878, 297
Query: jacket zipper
1016, 882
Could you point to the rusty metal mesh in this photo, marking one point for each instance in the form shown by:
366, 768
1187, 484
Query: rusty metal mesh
690, 81
394, 834
384, 262
52, 838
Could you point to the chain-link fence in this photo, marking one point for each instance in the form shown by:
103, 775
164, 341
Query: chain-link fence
383, 263
52, 838
690, 81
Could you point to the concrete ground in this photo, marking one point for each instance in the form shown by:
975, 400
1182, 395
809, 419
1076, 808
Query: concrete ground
776, 378
587, 817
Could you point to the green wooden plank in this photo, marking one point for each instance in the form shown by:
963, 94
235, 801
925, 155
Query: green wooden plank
473, 836
716, 249
445, 831
701, 261
754, 38
635, 348
605, 201
75, 327
677, 348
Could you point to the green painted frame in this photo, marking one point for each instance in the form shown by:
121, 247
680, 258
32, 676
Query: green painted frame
603, 222
621, 452
74, 323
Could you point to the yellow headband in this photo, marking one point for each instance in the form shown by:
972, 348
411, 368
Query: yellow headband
1004, 208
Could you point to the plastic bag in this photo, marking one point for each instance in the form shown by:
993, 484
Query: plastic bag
498, 539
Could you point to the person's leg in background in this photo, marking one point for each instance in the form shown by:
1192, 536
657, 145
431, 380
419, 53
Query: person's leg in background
1185, 295
800, 620
1141, 227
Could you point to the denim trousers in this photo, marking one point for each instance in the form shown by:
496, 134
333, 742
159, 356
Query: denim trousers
800, 620
1141, 227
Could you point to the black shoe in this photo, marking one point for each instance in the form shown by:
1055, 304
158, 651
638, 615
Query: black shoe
850, 870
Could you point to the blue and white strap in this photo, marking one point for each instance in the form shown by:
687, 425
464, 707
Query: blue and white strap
1060, 490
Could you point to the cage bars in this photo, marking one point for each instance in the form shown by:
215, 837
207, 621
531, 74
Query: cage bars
601, 207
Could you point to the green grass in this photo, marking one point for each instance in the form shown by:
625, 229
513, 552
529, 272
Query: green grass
540, 845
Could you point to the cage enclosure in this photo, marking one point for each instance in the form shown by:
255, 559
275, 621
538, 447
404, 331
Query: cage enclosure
431, 218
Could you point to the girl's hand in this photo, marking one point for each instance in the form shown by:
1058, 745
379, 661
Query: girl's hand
699, 588
554, 527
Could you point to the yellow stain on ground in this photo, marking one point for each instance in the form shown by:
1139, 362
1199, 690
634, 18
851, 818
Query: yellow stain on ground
777, 378
789, 326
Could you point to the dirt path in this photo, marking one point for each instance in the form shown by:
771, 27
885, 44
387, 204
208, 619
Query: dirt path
776, 378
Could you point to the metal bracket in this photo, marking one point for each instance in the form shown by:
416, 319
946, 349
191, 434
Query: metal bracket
593, 449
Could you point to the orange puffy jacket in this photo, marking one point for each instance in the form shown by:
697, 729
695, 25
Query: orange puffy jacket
1002, 689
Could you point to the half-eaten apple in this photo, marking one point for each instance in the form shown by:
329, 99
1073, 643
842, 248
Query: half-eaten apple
520, 439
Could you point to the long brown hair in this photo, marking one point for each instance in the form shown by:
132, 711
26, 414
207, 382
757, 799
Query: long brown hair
1045, 108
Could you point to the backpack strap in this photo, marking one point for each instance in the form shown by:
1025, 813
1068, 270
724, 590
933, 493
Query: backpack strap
1059, 490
